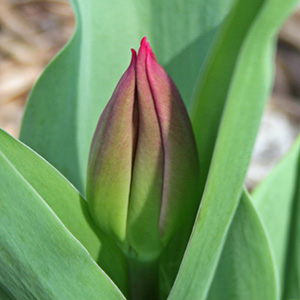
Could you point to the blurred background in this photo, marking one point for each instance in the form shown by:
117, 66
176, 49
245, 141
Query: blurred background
33, 31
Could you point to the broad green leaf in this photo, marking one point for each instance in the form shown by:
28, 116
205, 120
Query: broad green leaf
277, 201
291, 287
68, 99
40, 258
4, 295
61, 197
216, 78
246, 268
244, 100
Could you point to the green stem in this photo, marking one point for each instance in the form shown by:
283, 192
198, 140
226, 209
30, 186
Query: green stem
143, 279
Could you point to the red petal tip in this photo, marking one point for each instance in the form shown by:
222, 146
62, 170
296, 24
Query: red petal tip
144, 41
150, 52
133, 53
133, 56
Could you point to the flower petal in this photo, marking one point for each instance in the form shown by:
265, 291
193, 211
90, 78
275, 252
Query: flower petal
111, 158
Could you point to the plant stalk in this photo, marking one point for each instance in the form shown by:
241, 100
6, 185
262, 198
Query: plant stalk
143, 279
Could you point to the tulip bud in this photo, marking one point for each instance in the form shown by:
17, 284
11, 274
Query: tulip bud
143, 167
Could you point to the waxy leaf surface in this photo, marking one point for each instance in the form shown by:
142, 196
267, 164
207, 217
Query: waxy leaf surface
239, 109
277, 200
246, 268
44, 229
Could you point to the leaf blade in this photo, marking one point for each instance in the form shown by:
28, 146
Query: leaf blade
277, 201
232, 151
67, 204
38, 254
246, 252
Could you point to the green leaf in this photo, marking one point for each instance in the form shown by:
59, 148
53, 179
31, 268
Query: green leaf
4, 295
40, 178
40, 259
277, 200
68, 99
244, 100
208, 101
246, 269
291, 288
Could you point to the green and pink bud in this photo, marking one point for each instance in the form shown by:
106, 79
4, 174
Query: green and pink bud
143, 167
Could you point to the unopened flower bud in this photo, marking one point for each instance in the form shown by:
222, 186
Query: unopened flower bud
143, 166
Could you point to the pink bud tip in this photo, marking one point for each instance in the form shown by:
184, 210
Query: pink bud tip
146, 46
133, 56
144, 41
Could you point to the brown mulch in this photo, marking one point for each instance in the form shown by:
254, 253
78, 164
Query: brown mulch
31, 33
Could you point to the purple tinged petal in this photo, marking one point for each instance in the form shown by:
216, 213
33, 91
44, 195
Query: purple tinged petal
180, 197
147, 180
111, 158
